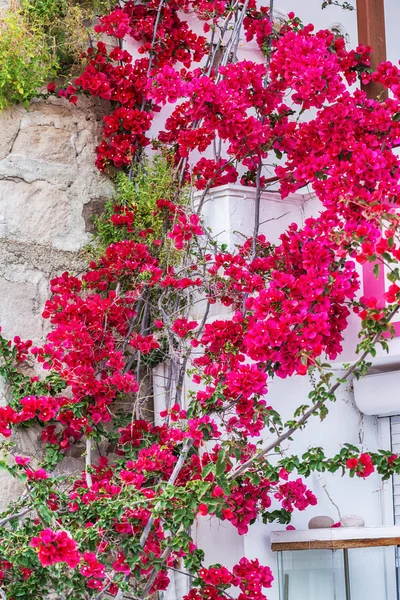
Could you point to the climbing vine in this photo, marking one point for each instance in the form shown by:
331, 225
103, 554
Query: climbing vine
121, 525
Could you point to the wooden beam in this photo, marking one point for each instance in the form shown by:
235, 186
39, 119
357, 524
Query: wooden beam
335, 544
372, 32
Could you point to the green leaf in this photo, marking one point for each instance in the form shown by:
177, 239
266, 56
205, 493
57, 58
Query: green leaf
210, 468
220, 465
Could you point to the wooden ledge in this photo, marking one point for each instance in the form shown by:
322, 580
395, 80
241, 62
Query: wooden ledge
335, 539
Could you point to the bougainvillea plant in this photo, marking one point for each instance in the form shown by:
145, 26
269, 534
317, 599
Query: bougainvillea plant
122, 525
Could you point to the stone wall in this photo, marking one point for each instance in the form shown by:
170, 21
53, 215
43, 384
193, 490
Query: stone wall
49, 190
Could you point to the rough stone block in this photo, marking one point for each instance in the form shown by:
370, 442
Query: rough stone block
47, 143
11, 119
19, 310
10, 489
47, 172
38, 211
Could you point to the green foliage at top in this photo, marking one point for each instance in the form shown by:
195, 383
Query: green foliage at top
42, 39
26, 60
153, 179
67, 24
44, 10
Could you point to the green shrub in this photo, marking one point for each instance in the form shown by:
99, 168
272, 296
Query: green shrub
152, 180
42, 39
26, 59
67, 25
44, 11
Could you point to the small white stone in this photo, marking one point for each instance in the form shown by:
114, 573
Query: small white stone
321, 522
352, 521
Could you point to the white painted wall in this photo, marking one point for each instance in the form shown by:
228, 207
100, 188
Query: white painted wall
310, 12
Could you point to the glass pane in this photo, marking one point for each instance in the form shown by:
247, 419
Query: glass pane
312, 575
397, 563
370, 570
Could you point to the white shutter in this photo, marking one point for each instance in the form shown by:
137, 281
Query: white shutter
395, 438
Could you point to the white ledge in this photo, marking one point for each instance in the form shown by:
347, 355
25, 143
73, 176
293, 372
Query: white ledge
244, 192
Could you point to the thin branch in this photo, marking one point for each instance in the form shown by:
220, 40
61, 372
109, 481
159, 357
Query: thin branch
235, 34
192, 577
137, 408
324, 487
257, 211
275, 218
15, 515
103, 591
154, 573
181, 378
203, 322
133, 323
181, 572
88, 462
187, 445
211, 57
153, 41
144, 99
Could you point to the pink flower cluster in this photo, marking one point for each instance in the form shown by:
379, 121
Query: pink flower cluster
56, 546
248, 576
362, 466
